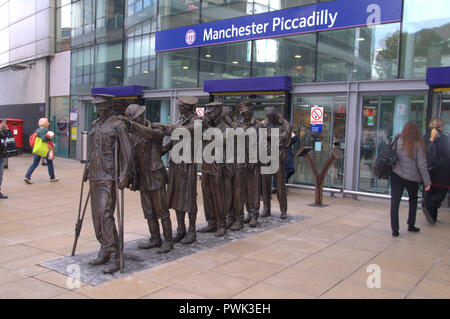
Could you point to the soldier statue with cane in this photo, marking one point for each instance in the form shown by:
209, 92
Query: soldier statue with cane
108, 170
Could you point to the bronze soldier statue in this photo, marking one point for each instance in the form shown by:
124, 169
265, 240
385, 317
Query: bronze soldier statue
182, 189
253, 178
213, 176
108, 135
274, 120
151, 177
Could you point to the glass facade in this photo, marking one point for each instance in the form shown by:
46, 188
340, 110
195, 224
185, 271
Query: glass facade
60, 124
63, 23
113, 44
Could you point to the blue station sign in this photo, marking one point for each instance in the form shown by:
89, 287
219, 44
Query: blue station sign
338, 14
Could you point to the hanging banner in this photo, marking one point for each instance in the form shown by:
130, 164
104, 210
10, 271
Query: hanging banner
323, 16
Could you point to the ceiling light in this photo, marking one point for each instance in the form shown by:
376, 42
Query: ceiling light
185, 67
118, 67
145, 71
208, 55
380, 49
360, 39
298, 56
235, 62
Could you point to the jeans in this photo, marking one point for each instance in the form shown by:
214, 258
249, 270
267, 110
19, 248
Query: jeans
398, 184
2, 164
33, 166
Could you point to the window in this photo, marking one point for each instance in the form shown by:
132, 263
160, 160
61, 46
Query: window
178, 13
426, 37
292, 56
225, 61
108, 64
82, 70
368, 53
213, 10
177, 69
140, 56
63, 29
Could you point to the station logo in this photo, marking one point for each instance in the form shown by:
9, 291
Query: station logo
190, 37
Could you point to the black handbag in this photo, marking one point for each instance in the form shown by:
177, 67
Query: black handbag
385, 161
8, 144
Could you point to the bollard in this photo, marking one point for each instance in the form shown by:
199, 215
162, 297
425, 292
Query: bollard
84, 146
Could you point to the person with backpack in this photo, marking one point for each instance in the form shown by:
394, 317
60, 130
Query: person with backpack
409, 170
3, 129
438, 158
41, 150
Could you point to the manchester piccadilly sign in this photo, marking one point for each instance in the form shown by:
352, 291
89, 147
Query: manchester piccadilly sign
324, 16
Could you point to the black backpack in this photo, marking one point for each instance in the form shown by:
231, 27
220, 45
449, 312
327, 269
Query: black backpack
385, 161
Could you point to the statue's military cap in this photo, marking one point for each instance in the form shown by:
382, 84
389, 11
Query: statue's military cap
189, 100
133, 111
101, 98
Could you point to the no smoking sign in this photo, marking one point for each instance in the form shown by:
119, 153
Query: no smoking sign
316, 115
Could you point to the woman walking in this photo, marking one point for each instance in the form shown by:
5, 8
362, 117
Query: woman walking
438, 158
42, 133
410, 170
3, 129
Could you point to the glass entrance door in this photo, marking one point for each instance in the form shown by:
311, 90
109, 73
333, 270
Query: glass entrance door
332, 136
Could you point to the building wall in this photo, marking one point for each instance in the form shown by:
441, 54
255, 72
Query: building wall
60, 74
26, 30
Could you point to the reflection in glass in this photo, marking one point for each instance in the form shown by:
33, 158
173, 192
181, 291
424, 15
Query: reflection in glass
140, 61
425, 38
59, 124
108, 64
292, 56
82, 70
109, 20
177, 69
220, 10
368, 53
63, 21
226, 61
178, 13
332, 136
382, 118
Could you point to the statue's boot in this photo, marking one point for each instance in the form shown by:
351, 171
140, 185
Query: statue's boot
167, 232
181, 229
191, 235
208, 228
102, 258
266, 211
238, 222
230, 219
247, 218
221, 231
254, 219
283, 214
114, 264
155, 239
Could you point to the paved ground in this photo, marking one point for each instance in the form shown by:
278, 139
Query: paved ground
324, 256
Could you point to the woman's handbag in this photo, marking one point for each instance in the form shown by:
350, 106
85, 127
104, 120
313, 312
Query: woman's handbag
40, 148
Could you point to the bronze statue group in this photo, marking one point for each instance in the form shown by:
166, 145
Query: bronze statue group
126, 152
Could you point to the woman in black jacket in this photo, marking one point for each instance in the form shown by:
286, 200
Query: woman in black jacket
438, 158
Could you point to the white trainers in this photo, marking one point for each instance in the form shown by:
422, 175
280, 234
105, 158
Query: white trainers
28, 181
54, 180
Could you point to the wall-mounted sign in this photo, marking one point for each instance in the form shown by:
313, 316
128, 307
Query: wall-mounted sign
316, 119
324, 16
200, 111
401, 108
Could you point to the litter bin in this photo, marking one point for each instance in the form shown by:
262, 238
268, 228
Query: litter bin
16, 127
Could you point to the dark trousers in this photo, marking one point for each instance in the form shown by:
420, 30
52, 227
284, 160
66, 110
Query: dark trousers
154, 203
103, 203
279, 178
433, 199
35, 163
213, 187
253, 189
398, 185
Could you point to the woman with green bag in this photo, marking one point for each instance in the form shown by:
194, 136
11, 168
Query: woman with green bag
41, 149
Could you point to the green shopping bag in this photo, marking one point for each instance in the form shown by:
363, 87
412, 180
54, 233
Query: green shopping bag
40, 148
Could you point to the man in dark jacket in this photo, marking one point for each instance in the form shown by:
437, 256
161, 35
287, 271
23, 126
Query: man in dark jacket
438, 159
108, 135
151, 177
